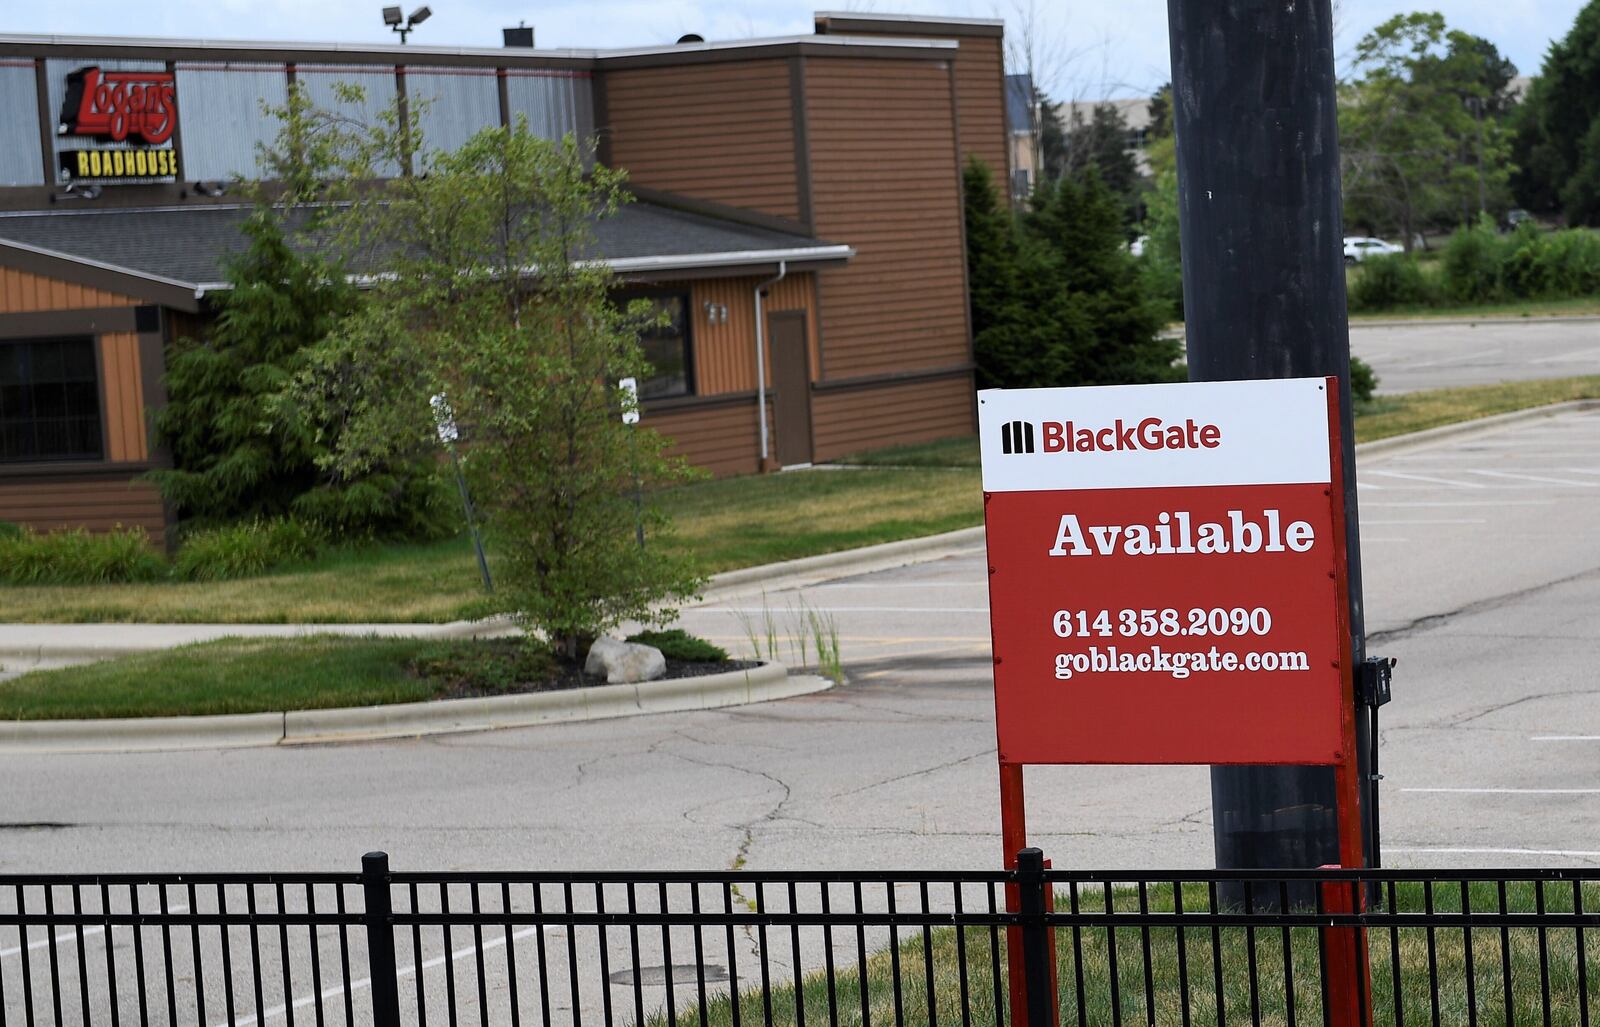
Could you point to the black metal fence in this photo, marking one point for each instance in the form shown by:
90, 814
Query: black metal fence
707, 949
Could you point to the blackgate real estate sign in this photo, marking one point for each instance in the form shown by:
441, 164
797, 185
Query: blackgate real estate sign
1167, 573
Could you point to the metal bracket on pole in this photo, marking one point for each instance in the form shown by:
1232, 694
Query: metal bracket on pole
1374, 688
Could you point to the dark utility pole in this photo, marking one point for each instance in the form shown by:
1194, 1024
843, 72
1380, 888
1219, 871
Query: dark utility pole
1254, 108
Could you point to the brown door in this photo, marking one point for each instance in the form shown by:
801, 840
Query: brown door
791, 385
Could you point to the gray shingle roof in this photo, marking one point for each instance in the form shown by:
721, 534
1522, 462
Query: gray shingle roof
192, 244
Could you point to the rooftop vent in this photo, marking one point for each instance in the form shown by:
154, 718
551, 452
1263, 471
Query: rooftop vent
692, 37
521, 36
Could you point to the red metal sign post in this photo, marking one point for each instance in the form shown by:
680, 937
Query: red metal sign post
1167, 583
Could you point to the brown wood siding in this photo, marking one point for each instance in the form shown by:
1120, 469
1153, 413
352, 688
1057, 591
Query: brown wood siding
99, 504
722, 438
122, 386
722, 132
22, 292
725, 354
851, 420
981, 102
884, 176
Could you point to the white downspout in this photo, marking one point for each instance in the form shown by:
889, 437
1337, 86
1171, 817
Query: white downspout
761, 359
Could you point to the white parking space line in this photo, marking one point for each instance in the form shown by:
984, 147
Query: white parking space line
1533, 477
1565, 738
847, 609
1428, 479
1475, 851
1368, 522
1504, 791
70, 936
363, 983
1419, 505
1567, 358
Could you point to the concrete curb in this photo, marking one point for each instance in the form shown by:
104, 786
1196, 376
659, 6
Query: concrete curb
1460, 429
1357, 323
773, 577
407, 720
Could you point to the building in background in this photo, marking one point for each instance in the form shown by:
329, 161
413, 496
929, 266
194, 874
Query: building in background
1135, 115
823, 170
1026, 135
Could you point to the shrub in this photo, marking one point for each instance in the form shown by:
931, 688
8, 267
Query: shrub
1363, 380
1571, 260
678, 644
245, 549
1472, 263
76, 557
1525, 269
1385, 282
10, 530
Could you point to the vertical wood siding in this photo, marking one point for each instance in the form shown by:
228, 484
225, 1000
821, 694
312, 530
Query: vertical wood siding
721, 132
885, 180
122, 386
22, 293
848, 421
724, 354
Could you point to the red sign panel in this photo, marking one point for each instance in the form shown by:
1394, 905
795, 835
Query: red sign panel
118, 105
1166, 573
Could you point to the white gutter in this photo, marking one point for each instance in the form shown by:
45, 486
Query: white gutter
673, 262
761, 360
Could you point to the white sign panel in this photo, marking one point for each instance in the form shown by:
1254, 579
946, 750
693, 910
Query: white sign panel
1272, 432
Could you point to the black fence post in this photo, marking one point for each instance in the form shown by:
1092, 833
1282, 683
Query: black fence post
380, 939
1038, 980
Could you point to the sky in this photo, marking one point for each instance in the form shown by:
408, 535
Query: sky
1091, 50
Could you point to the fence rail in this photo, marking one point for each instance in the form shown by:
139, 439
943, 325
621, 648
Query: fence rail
1292, 947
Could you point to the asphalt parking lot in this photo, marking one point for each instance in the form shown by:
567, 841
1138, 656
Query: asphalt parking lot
1434, 355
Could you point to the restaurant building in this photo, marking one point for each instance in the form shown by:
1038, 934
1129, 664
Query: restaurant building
798, 209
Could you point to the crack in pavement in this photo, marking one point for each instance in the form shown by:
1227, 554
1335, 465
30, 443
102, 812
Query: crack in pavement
1434, 620
1469, 717
915, 773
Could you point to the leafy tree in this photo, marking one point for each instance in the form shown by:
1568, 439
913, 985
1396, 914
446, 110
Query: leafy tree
1100, 143
233, 458
1558, 130
489, 301
1420, 137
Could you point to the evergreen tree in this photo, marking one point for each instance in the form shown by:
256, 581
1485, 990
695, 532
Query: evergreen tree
1111, 324
1558, 138
1057, 299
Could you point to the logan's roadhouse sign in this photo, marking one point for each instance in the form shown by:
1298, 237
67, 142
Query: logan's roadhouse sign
1166, 572
132, 114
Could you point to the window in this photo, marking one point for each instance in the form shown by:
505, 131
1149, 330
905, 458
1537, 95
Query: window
666, 347
49, 401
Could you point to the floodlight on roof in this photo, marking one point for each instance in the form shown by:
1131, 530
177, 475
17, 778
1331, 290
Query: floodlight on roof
391, 16
420, 15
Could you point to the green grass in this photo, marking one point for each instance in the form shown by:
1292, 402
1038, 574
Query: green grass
735, 522
1509, 310
1384, 416
1089, 949
234, 675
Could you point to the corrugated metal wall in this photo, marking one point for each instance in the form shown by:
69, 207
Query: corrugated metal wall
220, 116
322, 82
555, 102
21, 162
452, 103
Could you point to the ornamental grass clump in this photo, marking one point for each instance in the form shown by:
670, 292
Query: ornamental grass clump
245, 549
78, 557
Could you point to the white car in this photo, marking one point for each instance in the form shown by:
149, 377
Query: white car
1359, 247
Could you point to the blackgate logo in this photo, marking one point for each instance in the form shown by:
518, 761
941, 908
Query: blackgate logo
1151, 433
1016, 437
